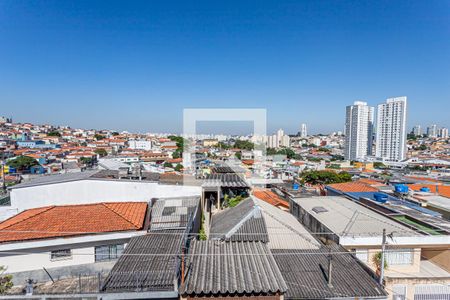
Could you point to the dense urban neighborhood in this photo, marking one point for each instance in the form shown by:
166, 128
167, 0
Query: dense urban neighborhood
104, 214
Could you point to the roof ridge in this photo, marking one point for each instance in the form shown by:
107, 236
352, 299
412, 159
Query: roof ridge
107, 205
41, 210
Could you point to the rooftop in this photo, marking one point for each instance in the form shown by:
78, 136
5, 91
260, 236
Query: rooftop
354, 219
218, 267
354, 186
73, 220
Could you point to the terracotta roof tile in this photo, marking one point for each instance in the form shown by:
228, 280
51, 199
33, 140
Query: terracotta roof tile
443, 190
73, 220
353, 187
270, 197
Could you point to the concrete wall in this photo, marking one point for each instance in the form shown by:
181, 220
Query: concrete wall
92, 191
440, 257
34, 261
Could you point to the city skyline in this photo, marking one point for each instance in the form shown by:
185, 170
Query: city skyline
136, 67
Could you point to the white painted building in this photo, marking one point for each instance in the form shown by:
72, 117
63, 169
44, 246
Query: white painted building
303, 130
358, 131
140, 145
391, 129
84, 188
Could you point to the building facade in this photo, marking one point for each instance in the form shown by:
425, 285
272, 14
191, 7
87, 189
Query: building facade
358, 131
391, 129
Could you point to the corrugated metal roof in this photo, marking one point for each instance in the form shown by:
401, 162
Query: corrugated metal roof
348, 218
305, 273
224, 180
149, 263
256, 220
56, 178
218, 268
284, 230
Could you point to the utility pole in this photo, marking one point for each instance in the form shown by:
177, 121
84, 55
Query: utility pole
383, 248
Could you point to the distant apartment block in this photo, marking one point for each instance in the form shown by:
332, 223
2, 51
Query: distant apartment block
303, 130
358, 131
391, 129
140, 145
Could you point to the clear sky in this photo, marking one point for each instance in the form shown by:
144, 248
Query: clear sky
132, 65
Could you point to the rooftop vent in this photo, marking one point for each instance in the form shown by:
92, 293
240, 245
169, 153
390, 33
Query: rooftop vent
319, 209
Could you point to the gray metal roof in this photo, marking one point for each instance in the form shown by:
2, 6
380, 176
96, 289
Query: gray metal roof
217, 268
284, 230
149, 263
226, 222
224, 180
173, 212
305, 273
256, 220
348, 218
56, 178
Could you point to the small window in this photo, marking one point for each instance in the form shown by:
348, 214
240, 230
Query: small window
61, 254
108, 252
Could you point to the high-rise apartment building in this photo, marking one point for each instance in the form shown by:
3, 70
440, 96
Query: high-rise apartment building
303, 131
443, 133
417, 130
432, 131
391, 129
358, 131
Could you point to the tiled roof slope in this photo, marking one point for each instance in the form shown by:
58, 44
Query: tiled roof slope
223, 268
73, 220
270, 197
352, 187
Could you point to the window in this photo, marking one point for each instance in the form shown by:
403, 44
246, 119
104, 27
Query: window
400, 257
108, 252
61, 254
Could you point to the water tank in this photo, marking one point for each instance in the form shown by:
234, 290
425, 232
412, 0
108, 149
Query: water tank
401, 188
425, 189
380, 197
295, 186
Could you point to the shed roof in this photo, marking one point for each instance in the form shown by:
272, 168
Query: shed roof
217, 268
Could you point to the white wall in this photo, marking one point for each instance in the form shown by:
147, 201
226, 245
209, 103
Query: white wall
35, 261
92, 191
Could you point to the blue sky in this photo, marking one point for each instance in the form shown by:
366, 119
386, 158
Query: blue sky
134, 65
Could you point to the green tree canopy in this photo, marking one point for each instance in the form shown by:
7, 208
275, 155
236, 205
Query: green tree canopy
325, 177
102, 152
178, 167
244, 145
22, 162
54, 133
5, 281
99, 137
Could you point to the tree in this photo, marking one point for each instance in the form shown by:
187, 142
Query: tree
178, 167
101, 152
115, 133
22, 162
5, 281
238, 155
325, 177
88, 161
176, 154
244, 145
54, 133
99, 137
379, 165
167, 165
